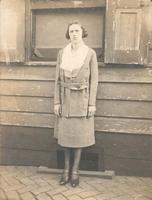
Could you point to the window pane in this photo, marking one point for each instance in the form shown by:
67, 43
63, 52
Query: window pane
49, 28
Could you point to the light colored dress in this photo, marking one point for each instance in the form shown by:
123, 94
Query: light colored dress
75, 91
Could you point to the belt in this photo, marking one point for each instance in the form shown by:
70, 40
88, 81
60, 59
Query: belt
74, 86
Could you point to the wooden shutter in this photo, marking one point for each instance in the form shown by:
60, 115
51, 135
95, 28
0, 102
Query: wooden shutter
124, 39
12, 28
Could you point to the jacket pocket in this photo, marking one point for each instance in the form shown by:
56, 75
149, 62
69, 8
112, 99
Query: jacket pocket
78, 104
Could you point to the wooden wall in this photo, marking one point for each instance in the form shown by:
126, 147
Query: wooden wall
123, 122
123, 102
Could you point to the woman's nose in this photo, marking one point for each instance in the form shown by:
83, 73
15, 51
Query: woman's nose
74, 33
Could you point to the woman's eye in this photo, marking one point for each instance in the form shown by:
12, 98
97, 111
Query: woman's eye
72, 31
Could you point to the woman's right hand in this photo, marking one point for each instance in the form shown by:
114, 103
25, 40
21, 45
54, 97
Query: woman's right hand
57, 109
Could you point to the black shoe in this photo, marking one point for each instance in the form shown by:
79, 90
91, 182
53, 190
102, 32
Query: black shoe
64, 178
74, 179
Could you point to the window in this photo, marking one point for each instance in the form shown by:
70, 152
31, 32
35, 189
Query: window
47, 24
12, 30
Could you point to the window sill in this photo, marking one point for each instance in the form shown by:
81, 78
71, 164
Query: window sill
51, 63
40, 63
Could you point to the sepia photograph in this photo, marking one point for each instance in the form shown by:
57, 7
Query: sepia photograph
75, 99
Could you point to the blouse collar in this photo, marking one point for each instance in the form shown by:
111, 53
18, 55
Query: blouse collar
71, 61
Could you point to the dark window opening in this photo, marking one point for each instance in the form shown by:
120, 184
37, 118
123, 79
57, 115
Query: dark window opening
49, 23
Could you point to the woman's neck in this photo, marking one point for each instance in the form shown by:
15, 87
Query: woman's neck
76, 46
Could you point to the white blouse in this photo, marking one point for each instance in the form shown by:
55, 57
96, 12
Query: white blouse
73, 61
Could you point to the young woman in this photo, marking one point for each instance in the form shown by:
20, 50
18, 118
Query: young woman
75, 98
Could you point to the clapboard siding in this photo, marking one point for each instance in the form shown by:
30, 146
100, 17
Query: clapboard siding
27, 88
123, 74
123, 125
27, 104
105, 108
125, 91
126, 74
28, 72
123, 121
105, 124
124, 99
128, 109
27, 119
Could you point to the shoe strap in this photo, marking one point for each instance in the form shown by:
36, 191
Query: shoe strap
75, 172
65, 171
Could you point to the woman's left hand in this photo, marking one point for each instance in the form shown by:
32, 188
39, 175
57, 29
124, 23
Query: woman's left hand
91, 111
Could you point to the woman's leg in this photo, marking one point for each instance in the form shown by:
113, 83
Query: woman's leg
65, 175
77, 157
67, 159
75, 168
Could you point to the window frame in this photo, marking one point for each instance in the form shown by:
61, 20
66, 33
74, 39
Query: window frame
31, 8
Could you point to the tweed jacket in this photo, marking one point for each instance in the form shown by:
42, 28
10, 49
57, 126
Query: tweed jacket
77, 93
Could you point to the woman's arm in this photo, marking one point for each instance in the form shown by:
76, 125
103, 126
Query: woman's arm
57, 90
93, 82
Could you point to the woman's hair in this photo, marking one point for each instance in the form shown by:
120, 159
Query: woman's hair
84, 31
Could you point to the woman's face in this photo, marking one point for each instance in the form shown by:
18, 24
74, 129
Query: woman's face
75, 33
